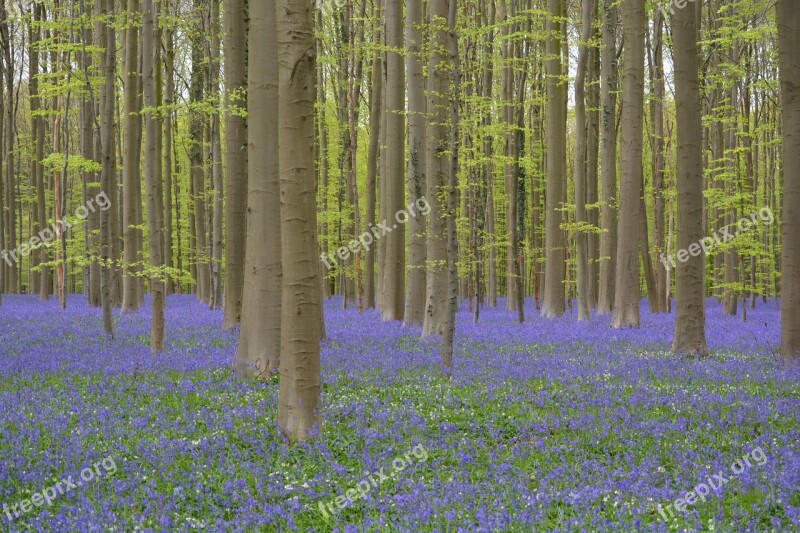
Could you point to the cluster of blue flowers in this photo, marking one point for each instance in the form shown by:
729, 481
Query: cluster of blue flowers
552, 425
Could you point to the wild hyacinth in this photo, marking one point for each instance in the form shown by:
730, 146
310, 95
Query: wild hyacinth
553, 425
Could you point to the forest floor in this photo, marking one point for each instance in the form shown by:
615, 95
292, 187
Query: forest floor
552, 425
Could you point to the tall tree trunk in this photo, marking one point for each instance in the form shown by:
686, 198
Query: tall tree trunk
58, 180
375, 115
381, 251
511, 166
116, 213
217, 178
626, 302
33, 103
354, 108
536, 235
322, 164
555, 244
690, 276
158, 8
88, 141
346, 30
731, 298
140, 221
130, 169
608, 159
37, 134
488, 152
197, 169
647, 264
789, 57
235, 43
169, 97
581, 140
415, 288
452, 202
107, 39
593, 145
299, 393
394, 274
259, 349
9, 153
658, 166
8, 258
155, 207
438, 168
717, 155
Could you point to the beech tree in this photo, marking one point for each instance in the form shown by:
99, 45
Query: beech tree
789, 57
197, 168
301, 311
106, 39
581, 179
375, 131
131, 176
415, 171
152, 177
452, 186
393, 180
438, 168
217, 178
608, 159
38, 136
11, 278
555, 245
627, 294
690, 275
259, 349
235, 45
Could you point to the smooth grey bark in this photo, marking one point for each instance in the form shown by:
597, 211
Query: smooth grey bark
131, 126
107, 39
488, 152
38, 133
395, 258
153, 196
789, 58
89, 152
555, 245
507, 14
626, 301
415, 287
438, 168
608, 159
373, 150
259, 349
592, 175
197, 171
9, 155
324, 176
299, 389
167, 123
452, 192
689, 334
581, 140
217, 177
658, 165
